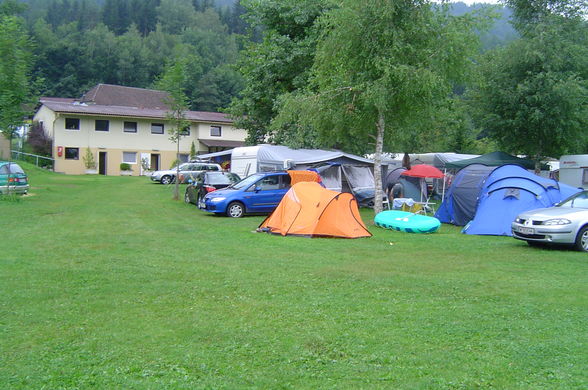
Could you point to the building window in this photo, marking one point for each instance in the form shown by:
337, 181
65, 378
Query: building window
101, 125
72, 123
157, 128
215, 131
72, 153
184, 157
129, 157
130, 127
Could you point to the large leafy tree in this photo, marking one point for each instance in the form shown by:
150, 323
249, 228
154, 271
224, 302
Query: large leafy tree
15, 65
534, 98
381, 68
278, 64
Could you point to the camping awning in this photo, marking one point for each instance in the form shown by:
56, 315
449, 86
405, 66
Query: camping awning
278, 154
494, 159
221, 143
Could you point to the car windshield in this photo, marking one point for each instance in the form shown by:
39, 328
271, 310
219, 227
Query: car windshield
579, 200
221, 178
247, 182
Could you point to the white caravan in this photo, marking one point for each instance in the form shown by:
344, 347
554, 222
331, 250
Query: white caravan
573, 170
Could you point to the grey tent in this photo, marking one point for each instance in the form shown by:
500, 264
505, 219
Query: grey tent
358, 180
260, 158
411, 185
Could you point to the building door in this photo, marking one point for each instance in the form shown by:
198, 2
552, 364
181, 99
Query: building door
154, 162
102, 163
145, 163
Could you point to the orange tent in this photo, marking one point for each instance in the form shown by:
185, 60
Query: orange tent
298, 176
308, 209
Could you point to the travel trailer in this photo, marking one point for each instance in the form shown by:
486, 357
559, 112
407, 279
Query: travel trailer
573, 170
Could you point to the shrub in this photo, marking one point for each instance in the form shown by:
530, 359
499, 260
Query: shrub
125, 167
89, 161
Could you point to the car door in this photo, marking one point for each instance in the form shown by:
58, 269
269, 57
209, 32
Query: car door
265, 194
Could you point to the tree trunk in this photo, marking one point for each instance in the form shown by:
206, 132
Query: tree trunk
378, 195
537, 165
406, 161
177, 183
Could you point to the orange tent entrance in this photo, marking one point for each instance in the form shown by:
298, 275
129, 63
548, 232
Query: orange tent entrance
310, 210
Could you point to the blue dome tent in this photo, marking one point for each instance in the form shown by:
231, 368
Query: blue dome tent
488, 199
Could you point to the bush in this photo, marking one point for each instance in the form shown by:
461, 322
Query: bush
125, 167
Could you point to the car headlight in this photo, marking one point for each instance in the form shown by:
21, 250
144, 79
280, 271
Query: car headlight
218, 199
518, 220
557, 221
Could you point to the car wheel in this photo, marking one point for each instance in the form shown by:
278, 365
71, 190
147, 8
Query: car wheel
166, 179
582, 239
235, 210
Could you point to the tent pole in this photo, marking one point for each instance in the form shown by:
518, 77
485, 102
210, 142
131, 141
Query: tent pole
444, 178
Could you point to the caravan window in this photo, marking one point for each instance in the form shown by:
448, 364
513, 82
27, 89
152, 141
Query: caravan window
585, 176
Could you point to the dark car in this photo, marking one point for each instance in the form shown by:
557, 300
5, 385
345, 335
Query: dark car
206, 182
259, 193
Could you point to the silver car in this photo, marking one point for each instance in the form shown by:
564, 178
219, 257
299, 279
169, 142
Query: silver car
187, 170
566, 223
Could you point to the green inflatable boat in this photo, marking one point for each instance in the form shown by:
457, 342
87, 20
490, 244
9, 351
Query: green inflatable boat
404, 221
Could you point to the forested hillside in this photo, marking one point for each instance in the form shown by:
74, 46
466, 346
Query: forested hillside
79, 43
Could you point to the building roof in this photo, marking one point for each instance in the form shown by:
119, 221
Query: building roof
118, 101
117, 95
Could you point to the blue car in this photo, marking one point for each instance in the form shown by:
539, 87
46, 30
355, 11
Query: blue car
259, 193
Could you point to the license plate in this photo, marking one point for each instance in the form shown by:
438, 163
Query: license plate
526, 230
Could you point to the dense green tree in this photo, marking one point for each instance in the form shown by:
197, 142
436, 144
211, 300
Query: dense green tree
534, 98
175, 15
12, 8
116, 14
278, 64
530, 12
381, 68
131, 59
144, 15
15, 65
100, 54
202, 5
215, 89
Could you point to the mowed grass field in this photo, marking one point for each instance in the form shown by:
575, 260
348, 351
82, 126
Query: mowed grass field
106, 282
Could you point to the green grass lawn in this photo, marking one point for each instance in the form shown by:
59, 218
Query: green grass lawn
105, 282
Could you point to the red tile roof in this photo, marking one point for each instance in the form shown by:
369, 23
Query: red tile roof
117, 95
114, 100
